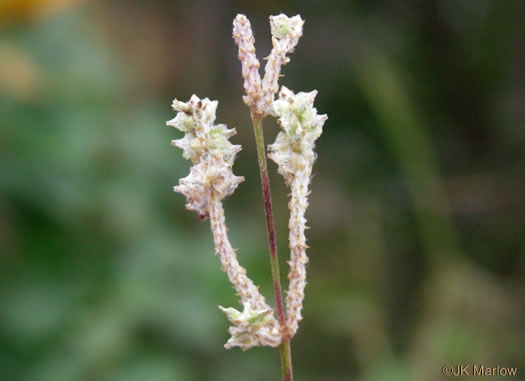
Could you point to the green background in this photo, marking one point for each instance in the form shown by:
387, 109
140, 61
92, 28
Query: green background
417, 211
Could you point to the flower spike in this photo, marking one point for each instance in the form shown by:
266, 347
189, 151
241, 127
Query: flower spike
210, 180
293, 151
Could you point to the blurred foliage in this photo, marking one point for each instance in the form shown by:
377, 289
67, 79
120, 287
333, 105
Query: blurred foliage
417, 210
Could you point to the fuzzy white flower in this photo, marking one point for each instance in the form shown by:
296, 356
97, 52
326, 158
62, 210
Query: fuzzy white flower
293, 151
210, 180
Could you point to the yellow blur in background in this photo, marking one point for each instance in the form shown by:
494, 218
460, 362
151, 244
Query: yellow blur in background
27, 10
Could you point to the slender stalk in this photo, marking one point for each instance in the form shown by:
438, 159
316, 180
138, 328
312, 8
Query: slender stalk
286, 353
286, 360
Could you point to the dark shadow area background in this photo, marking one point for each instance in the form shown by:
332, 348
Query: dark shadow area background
417, 211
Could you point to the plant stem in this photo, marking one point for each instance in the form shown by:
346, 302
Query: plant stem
286, 360
286, 353
268, 211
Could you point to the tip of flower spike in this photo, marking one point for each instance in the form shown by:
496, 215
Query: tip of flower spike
282, 25
242, 28
241, 18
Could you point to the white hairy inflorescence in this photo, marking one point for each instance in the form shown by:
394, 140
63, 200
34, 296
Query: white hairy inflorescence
243, 36
286, 32
211, 179
293, 151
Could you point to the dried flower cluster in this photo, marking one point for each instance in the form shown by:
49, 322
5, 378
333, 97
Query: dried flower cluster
211, 178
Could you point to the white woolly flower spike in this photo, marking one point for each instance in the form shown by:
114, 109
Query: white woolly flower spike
210, 180
293, 151
243, 36
286, 32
